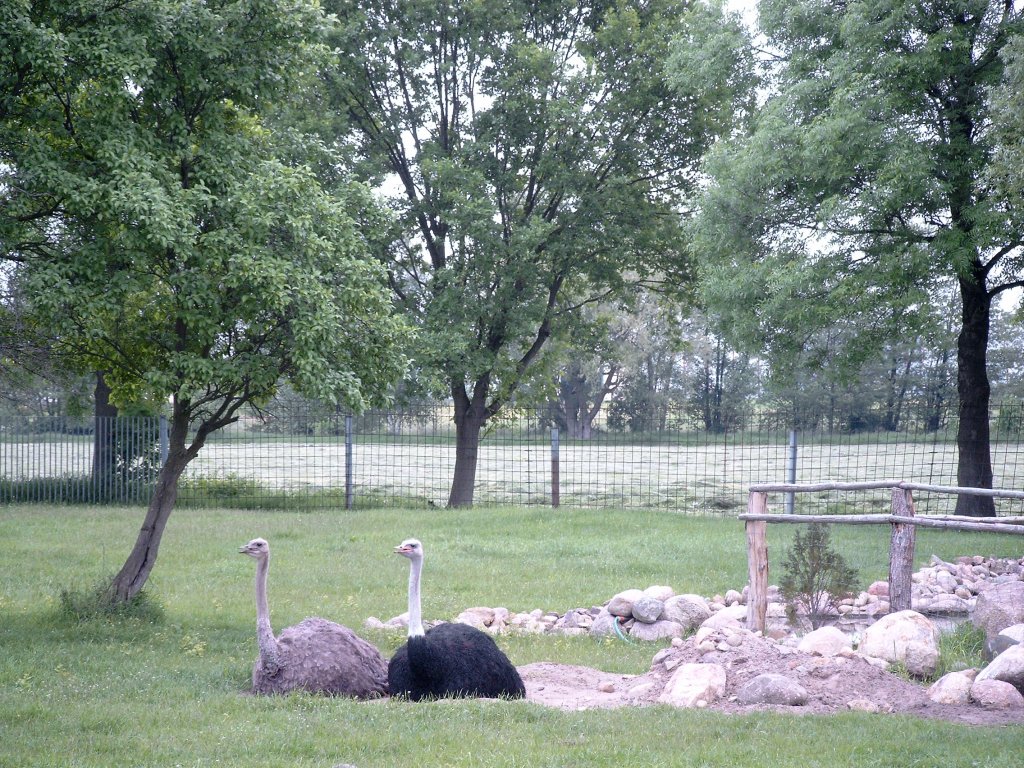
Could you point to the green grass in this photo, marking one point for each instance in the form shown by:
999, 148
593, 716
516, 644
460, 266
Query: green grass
167, 689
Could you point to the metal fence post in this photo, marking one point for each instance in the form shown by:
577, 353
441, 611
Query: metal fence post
165, 441
348, 462
555, 500
791, 471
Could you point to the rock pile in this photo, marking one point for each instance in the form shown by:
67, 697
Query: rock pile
721, 659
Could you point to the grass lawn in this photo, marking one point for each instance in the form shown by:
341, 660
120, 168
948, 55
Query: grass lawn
169, 691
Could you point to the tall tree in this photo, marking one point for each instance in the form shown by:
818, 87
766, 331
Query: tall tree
184, 258
866, 180
538, 160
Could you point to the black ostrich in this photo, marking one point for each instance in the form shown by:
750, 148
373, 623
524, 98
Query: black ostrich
451, 660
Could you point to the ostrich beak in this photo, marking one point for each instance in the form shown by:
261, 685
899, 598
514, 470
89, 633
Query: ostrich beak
402, 550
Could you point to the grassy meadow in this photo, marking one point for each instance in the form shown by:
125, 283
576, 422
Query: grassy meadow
167, 687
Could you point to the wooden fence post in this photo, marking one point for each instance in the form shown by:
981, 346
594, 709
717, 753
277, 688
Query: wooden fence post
757, 562
901, 552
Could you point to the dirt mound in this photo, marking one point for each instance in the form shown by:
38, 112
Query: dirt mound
832, 684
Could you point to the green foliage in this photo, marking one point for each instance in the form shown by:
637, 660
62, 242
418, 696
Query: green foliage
815, 577
237, 492
82, 489
864, 184
1009, 421
541, 160
97, 604
190, 259
963, 648
179, 246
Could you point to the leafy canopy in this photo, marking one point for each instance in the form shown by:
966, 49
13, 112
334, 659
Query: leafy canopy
181, 252
867, 179
538, 161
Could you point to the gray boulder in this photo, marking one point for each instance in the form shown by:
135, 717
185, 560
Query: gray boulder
904, 637
648, 609
825, 641
998, 607
603, 624
694, 685
952, 688
659, 630
772, 689
622, 604
995, 694
690, 611
1008, 666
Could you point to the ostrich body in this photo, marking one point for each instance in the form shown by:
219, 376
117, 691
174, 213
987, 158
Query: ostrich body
314, 655
449, 660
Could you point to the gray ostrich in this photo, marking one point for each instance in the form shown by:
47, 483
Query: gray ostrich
315, 655
449, 660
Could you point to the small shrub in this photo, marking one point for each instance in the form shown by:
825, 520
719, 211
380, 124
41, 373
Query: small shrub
815, 576
97, 603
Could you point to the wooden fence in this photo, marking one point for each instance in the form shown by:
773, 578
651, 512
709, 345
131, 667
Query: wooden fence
902, 519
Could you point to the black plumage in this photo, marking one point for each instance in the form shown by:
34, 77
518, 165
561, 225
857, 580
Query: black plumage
450, 660
453, 661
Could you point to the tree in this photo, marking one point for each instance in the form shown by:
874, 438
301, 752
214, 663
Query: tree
183, 257
722, 381
815, 577
866, 180
651, 379
538, 160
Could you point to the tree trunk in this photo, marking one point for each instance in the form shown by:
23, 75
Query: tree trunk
135, 571
974, 468
103, 442
470, 417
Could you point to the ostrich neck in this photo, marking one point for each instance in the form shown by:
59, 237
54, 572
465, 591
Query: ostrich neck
415, 615
264, 634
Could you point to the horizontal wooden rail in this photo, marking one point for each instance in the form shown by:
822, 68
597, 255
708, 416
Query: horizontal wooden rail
902, 519
948, 522
878, 484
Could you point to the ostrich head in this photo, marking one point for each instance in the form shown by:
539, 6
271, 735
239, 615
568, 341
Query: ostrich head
258, 548
410, 548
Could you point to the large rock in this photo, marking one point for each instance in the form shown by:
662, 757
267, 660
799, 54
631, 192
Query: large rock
690, 611
694, 685
603, 624
954, 688
479, 617
622, 604
904, 637
648, 609
659, 630
771, 688
1014, 633
995, 694
1008, 666
659, 591
825, 641
998, 607
733, 616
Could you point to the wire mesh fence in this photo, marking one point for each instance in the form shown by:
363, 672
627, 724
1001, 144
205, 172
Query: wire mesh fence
303, 456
